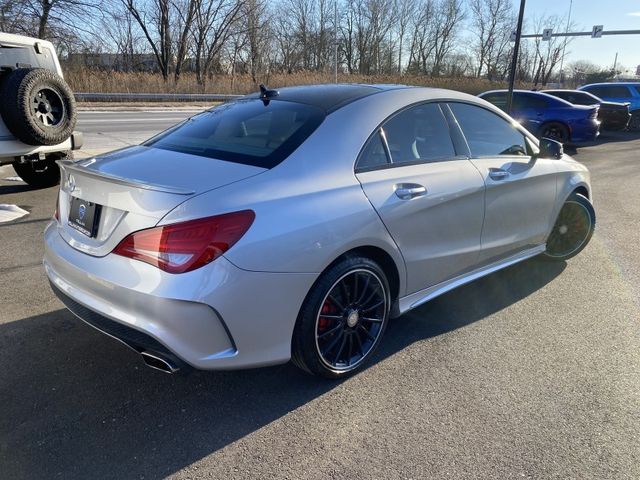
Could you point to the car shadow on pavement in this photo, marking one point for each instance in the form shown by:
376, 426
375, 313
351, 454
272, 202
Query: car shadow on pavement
76, 404
605, 137
6, 189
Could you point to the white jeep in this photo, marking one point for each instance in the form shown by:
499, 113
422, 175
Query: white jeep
37, 110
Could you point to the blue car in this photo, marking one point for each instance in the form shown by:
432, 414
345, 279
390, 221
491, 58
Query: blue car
548, 116
623, 92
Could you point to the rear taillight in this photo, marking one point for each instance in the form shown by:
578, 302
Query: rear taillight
182, 247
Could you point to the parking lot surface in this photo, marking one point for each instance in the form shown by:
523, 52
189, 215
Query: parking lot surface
532, 372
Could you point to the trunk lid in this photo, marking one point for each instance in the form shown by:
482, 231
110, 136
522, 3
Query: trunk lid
136, 187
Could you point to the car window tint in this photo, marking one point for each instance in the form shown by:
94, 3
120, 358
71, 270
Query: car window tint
419, 133
620, 92
488, 134
523, 100
563, 95
373, 154
575, 98
597, 91
614, 91
637, 88
497, 99
582, 99
245, 131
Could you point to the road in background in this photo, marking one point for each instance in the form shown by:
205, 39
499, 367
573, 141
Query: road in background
532, 372
108, 129
111, 129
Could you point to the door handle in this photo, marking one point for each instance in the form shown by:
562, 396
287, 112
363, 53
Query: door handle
498, 173
407, 191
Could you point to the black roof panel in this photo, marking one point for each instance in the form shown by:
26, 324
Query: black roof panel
329, 96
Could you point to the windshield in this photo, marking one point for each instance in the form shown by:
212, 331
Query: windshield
244, 131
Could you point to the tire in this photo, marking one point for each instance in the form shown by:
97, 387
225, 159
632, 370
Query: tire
41, 173
572, 230
555, 131
37, 106
634, 123
333, 338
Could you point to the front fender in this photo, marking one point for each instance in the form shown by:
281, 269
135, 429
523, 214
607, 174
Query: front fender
572, 176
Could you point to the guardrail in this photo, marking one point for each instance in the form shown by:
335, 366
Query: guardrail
153, 97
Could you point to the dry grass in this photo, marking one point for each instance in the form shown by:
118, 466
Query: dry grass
100, 81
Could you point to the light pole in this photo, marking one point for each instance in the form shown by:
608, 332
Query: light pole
335, 39
514, 60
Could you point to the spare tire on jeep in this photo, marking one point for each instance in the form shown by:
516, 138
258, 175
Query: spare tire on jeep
37, 106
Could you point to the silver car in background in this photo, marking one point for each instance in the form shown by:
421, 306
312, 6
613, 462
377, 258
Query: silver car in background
293, 224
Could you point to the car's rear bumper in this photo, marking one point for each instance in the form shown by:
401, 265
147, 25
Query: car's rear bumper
614, 120
584, 131
215, 317
11, 148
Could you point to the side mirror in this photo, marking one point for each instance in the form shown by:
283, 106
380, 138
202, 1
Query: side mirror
550, 149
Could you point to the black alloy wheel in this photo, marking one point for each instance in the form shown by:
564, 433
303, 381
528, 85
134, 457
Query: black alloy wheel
350, 319
342, 319
48, 107
573, 228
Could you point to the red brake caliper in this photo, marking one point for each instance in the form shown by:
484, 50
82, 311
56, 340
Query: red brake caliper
327, 309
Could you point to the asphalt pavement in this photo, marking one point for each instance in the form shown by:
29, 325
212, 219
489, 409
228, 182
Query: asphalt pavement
108, 129
532, 372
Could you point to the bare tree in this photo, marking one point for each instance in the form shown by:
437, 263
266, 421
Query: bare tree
547, 53
57, 20
422, 44
214, 21
119, 28
492, 21
256, 54
286, 44
186, 12
406, 11
154, 19
448, 17
14, 17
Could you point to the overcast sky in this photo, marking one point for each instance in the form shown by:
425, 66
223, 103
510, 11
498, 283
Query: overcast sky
613, 14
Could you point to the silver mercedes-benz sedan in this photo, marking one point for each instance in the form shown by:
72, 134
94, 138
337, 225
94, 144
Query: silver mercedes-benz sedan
294, 224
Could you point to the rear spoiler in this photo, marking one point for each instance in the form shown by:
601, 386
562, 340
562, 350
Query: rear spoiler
70, 166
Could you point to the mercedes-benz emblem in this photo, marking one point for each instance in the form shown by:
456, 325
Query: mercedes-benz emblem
71, 182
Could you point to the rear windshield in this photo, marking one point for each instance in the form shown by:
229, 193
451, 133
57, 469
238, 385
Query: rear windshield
244, 131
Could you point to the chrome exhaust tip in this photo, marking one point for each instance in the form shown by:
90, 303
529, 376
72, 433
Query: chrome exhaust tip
154, 361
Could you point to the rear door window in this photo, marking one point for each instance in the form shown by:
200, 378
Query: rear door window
564, 96
419, 134
488, 134
374, 154
582, 99
244, 131
523, 101
498, 99
575, 98
611, 91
